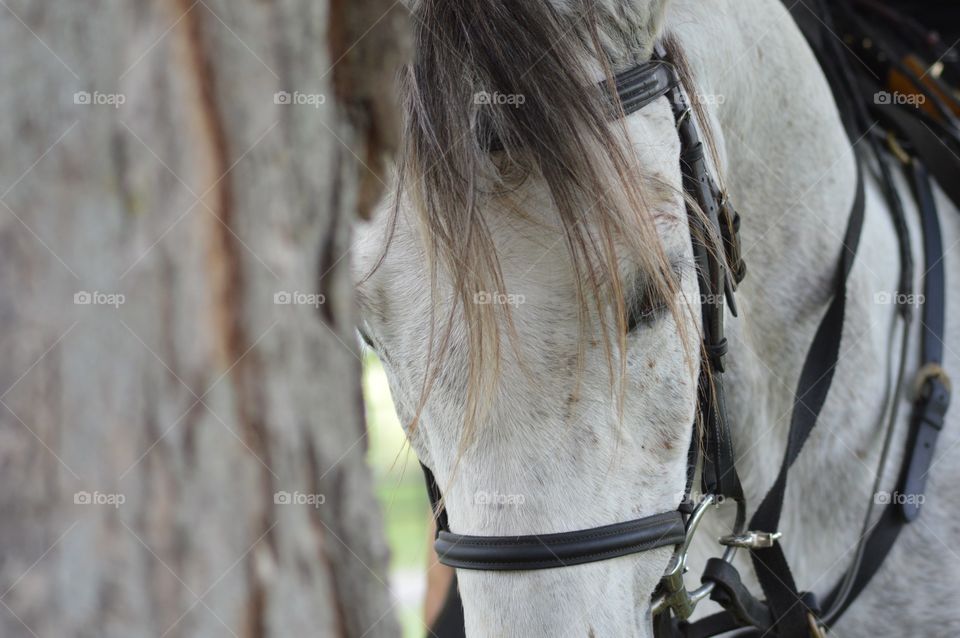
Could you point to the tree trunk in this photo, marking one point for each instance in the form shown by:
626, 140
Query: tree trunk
181, 430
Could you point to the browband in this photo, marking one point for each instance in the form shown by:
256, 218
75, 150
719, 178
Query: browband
635, 88
644, 84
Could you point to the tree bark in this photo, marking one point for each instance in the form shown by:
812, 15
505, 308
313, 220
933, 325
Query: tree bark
181, 430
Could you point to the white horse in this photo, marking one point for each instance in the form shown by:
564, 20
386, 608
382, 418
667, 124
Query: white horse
558, 422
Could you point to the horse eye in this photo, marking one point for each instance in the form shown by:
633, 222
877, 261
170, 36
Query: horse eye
646, 305
366, 340
644, 308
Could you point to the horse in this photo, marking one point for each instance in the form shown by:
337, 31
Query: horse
531, 290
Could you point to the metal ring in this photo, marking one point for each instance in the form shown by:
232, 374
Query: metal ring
677, 598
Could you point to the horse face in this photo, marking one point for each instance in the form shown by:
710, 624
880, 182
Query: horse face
560, 445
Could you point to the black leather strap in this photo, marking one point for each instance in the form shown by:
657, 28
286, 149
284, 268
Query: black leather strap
547, 551
644, 84
937, 151
770, 564
436, 501
715, 221
933, 397
785, 611
929, 407
635, 88
731, 594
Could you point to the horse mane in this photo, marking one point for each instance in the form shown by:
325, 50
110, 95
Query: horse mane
561, 134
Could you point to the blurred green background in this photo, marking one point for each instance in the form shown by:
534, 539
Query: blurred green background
402, 496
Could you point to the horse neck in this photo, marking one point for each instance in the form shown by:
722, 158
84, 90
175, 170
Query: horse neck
791, 172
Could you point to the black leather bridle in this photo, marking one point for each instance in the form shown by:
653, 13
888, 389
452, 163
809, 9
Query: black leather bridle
785, 611
719, 273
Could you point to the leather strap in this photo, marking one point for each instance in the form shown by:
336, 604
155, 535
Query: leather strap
634, 89
933, 391
643, 84
770, 564
436, 501
715, 221
547, 551
939, 155
929, 407
731, 594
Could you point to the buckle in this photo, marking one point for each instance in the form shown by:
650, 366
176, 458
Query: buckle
923, 386
751, 540
730, 233
931, 392
817, 630
897, 150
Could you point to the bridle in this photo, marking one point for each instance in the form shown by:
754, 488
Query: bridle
636, 89
785, 612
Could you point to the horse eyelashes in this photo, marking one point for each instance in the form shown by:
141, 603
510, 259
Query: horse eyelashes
645, 306
643, 309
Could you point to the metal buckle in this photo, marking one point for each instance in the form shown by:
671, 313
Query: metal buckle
898, 151
675, 595
751, 540
926, 375
730, 233
817, 630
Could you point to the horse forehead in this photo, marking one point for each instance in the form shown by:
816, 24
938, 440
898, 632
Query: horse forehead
655, 140
530, 247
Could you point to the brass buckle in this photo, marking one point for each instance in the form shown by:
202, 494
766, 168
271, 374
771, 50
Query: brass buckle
928, 373
936, 69
898, 151
817, 630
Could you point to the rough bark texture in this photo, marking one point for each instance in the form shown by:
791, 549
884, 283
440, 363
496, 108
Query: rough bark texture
148, 442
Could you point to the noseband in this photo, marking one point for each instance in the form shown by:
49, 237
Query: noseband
785, 611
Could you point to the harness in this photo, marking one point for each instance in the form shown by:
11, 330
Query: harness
784, 610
